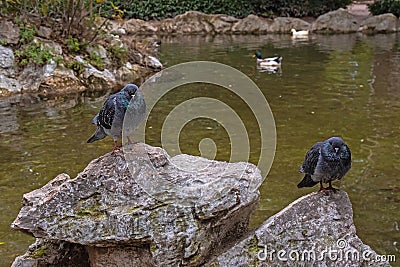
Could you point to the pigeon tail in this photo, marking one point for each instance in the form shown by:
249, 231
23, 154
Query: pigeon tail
307, 182
98, 135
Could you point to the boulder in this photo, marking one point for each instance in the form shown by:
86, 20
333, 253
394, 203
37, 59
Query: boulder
9, 85
190, 22
96, 79
8, 81
384, 23
44, 32
139, 207
285, 24
9, 32
6, 57
138, 26
252, 24
338, 21
314, 230
33, 75
222, 23
60, 81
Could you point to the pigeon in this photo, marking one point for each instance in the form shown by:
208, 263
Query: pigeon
324, 162
110, 119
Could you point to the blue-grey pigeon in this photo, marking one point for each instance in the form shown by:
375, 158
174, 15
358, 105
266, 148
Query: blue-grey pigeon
324, 162
110, 119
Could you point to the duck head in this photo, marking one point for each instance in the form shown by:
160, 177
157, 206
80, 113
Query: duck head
258, 55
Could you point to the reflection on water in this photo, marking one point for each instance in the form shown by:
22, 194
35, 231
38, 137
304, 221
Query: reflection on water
346, 85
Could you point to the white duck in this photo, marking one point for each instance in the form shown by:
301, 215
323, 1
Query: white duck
300, 34
269, 61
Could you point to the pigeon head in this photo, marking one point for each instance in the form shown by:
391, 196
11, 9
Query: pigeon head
130, 90
335, 147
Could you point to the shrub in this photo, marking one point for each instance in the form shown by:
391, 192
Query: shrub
33, 53
385, 6
160, 9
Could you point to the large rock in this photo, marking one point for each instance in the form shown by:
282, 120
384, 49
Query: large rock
32, 76
252, 24
138, 26
140, 208
9, 32
315, 230
285, 24
338, 21
189, 22
384, 23
8, 81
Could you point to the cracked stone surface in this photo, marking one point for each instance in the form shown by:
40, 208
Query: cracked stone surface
108, 211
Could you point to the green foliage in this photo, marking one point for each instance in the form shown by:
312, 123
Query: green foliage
39, 252
96, 60
118, 53
160, 9
385, 6
30, 51
33, 53
26, 33
73, 44
297, 8
77, 66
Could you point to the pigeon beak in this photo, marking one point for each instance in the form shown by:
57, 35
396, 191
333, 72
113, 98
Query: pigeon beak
336, 149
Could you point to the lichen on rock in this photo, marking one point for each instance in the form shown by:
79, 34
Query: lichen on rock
106, 209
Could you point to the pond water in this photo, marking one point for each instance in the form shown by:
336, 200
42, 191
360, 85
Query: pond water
344, 85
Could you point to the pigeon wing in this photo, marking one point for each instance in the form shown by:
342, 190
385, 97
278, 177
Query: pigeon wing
107, 112
311, 159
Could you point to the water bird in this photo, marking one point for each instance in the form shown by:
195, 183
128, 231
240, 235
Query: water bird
300, 34
325, 162
267, 62
110, 119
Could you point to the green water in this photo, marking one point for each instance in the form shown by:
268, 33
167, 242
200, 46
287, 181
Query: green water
346, 85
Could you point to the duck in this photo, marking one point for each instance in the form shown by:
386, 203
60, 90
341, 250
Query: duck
269, 61
301, 34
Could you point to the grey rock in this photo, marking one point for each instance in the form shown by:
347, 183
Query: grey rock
143, 203
138, 26
53, 47
252, 24
44, 32
153, 62
95, 78
338, 21
384, 23
58, 79
9, 84
285, 24
302, 234
8, 80
9, 32
98, 50
222, 23
33, 75
189, 22
6, 57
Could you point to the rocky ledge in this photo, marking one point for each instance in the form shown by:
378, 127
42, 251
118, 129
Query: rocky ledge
57, 78
142, 207
193, 22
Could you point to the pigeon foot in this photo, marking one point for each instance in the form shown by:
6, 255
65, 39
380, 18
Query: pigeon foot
330, 187
116, 147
